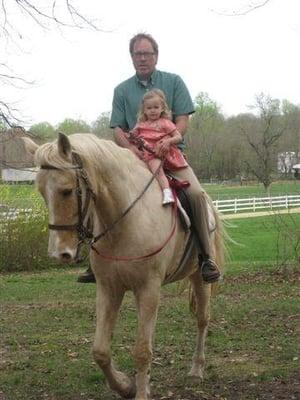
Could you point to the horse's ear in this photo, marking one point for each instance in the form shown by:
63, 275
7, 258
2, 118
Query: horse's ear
64, 145
30, 146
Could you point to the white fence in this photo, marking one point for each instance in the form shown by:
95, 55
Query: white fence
16, 175
257, 203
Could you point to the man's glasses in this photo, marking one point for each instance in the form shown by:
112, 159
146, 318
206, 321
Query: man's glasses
143, 54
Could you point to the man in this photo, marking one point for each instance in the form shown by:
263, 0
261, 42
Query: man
126, 101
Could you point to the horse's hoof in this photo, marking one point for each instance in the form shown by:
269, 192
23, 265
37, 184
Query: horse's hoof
130, 394
196, 373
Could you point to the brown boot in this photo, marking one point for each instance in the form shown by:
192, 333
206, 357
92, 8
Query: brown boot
210, 271
87, 276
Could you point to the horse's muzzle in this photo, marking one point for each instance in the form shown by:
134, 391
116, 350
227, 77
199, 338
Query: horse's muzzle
66, 256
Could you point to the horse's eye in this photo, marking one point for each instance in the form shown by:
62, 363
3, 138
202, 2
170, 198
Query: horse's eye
66, 192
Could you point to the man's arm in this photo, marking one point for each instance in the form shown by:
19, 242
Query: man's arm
121, 138
181, 122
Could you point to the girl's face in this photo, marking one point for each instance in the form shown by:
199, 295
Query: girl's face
153, 108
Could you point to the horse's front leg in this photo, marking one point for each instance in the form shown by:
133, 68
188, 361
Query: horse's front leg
147, 302
108, 304
202, 293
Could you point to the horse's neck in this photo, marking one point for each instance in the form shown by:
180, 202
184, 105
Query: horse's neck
115, 192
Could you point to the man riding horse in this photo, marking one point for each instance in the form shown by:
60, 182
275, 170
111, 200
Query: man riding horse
127, 97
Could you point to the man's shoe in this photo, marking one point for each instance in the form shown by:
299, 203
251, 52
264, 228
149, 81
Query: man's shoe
210, 271
87, 276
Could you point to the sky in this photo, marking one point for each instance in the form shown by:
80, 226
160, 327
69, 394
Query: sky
231, 58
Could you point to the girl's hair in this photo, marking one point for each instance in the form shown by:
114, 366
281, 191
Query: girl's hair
166, 113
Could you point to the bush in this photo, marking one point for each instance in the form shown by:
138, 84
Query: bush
23, 229
24, 242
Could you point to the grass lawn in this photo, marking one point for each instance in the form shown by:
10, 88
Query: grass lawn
48, 322
263, 241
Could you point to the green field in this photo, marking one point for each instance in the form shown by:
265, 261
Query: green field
48, 323
254, 190
263, 241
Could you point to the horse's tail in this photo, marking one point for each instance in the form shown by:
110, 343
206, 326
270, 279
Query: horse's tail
219, 235
219, 250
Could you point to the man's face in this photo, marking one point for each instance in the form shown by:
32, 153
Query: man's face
144, 59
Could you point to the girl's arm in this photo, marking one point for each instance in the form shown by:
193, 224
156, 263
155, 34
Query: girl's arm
175, 137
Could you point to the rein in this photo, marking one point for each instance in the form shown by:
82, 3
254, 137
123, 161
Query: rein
83, 232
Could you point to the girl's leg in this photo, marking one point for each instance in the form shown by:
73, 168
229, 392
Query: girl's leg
168, 197
160, 176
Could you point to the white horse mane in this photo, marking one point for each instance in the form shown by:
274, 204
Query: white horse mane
101, 158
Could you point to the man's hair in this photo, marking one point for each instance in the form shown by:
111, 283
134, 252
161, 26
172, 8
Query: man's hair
141, 36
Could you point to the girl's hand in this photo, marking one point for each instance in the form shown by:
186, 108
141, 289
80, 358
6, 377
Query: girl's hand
162, 147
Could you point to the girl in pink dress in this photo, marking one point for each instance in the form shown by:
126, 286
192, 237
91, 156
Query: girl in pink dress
160, 137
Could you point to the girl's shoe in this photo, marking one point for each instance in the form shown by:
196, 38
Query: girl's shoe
168, 197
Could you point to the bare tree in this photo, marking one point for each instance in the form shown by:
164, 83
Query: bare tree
45, 15
245, 9
262, 139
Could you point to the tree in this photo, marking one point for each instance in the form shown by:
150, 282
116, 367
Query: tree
261, 137
46, 15
244, 9
69, 126
101, 126
43, 130
203, 134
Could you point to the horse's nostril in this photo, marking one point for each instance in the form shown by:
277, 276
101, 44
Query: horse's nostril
66, 256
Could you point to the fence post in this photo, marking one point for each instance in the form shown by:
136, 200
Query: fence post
253, 204
235, 206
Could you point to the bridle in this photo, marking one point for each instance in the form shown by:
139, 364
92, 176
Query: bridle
83, 231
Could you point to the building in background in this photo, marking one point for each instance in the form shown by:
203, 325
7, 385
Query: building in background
16, 164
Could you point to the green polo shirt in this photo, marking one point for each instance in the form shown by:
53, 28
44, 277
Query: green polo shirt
128, 96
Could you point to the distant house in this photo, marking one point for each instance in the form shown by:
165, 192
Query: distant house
296, 170
16, 163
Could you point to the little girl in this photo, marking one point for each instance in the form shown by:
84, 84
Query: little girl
159, 136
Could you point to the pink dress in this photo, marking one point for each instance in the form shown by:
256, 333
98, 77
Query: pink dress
153, 131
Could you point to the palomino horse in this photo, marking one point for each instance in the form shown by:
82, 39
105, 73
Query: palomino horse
136, 243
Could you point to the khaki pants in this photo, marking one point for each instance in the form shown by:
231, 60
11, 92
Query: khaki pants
198, 203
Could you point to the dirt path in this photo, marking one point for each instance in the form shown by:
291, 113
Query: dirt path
261, 213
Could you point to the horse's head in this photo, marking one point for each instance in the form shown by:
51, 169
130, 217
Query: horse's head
59, 182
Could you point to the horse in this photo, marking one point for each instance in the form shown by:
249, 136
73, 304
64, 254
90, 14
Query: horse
97, 191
